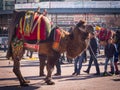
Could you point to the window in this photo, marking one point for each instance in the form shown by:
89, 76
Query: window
9, 5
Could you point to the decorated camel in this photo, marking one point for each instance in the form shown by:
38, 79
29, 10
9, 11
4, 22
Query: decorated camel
35, 34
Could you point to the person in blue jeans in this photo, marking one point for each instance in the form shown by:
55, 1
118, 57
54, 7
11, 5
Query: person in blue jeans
93, 54
78, 64
116, 54
116, 60
109, 54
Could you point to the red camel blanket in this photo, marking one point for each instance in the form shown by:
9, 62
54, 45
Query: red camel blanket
104, 34
33, 27
57, 36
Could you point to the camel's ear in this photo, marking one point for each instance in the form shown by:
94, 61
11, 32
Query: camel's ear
80, 23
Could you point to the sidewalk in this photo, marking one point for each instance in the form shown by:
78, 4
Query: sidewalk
3, 56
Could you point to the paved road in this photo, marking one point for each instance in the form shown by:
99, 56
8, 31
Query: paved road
30, 70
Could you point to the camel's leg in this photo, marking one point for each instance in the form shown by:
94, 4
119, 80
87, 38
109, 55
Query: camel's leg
42, 59
16, 70
50, 67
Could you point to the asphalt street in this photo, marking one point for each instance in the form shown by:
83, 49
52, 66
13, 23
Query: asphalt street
30, 70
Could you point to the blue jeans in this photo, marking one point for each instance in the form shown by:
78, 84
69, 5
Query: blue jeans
78, 63
93, 58
111, 62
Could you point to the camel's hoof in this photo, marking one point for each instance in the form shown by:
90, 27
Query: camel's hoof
24, 84
27, 81
49, 82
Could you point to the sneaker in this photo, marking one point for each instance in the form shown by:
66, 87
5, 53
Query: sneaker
57, 74
42, 75
111, 72
86, 72
96, 74
117, 73
105, 74
74, 73
77, 74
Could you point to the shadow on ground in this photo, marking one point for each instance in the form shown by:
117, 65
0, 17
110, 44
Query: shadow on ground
16, 87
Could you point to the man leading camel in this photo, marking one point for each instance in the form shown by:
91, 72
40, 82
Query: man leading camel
93, 53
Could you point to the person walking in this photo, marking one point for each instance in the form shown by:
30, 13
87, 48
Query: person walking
93, 54
78, 64
116, 59
117, 51
109, 54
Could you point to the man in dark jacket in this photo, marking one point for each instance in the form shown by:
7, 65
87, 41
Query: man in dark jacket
93, 54
109, 54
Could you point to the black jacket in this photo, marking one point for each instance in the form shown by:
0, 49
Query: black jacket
109, 50
93, 46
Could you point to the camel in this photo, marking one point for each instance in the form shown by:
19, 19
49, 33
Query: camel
73, 43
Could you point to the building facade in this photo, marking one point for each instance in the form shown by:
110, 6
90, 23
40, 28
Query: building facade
26, 1
67, 13
64, 13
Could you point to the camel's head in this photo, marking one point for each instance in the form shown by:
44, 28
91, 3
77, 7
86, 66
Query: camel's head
78, 39
81, 31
